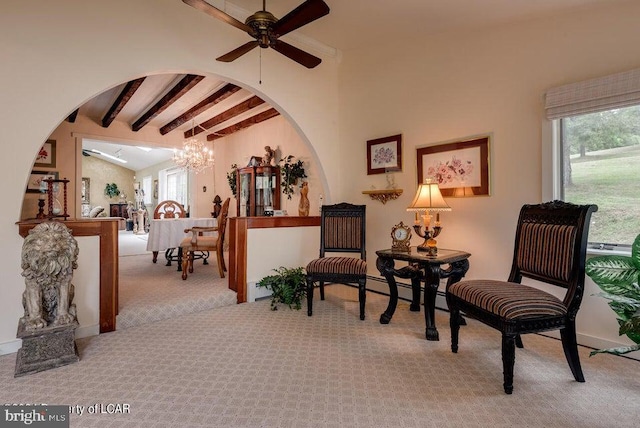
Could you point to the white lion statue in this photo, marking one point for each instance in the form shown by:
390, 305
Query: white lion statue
49, 256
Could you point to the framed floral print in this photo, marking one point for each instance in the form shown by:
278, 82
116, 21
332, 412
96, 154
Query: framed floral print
384, 155
47, 155
460, 168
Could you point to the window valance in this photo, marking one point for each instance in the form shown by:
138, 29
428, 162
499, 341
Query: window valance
589, 96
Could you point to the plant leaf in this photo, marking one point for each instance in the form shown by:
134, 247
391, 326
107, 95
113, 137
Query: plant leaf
616, 351
612, 270
635, 252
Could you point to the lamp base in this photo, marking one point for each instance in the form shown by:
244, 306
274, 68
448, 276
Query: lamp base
429, 246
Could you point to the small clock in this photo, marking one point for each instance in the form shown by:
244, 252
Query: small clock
401, 237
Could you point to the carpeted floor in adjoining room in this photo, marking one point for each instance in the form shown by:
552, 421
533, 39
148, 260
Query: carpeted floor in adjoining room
151, 292
247, 366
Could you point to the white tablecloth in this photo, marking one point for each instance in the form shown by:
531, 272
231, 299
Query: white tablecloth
168, 233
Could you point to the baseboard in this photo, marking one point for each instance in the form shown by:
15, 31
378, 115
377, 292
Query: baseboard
10, 347
13, 346
87, 331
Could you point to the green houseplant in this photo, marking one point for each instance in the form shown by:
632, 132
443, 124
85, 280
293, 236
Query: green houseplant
618, 277
111, 190
291, 172
231, 179
288, 286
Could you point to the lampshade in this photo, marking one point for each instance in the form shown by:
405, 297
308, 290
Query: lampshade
428, 197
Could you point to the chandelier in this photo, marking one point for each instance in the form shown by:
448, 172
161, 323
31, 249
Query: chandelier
194, 156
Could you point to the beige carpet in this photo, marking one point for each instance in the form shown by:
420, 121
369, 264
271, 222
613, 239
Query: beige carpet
246, 366
153, 292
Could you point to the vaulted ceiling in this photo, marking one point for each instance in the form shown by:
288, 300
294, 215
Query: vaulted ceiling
212, 108
189, 105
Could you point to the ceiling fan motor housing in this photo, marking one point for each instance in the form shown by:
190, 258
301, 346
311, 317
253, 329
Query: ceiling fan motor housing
261, 23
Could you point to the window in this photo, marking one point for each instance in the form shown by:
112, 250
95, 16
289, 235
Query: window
596, 150
173, 185
147, 189
600, 164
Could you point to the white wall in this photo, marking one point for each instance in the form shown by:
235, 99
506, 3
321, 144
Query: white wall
453, 86
65, 52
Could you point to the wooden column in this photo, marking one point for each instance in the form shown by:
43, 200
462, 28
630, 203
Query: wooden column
238, 227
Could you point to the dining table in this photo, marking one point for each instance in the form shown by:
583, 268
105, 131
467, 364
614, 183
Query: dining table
166, 235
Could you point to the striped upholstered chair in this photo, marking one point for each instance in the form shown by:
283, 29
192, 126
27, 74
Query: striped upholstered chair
342, 230
550, 246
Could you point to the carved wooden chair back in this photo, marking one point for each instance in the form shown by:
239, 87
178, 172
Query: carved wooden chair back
169, 209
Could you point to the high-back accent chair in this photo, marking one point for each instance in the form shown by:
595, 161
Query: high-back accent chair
168, 209
550, 246
342, 230
199, 242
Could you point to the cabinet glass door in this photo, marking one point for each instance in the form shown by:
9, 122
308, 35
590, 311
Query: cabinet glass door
265, 186
244, 194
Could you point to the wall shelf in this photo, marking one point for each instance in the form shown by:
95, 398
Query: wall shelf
383, 195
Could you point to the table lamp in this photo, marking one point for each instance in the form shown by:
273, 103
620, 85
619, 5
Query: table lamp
428, 198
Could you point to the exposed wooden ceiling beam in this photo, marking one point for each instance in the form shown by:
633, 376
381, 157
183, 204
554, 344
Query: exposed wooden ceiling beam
234, 111
183, 86
222, 94
127, 92
260, 117
72, 117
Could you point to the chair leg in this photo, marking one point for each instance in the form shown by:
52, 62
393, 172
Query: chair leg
519, 343
191, 258
508, 360
570, 347
454, 324
362, 295
321, 290
185, 265
220, 264
309, 296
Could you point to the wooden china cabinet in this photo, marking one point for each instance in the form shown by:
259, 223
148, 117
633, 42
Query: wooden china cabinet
258, 188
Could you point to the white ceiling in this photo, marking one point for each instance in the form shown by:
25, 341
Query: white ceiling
137, 159
355, 23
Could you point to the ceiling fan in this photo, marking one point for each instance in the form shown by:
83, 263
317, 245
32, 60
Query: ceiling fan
266, 29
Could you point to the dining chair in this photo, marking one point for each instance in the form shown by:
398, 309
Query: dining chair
342, 230
165, 210
198, 242
550, 247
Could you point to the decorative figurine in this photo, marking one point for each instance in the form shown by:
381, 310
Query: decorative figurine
303, 206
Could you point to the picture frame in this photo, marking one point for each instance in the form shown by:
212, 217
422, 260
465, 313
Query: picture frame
46, 157
85, 190
35, 184
460, 168
155, 189
384, 155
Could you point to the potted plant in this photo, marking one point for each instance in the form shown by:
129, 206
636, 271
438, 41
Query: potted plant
231, 179
291, 171
111, 190
288, 286
618, 278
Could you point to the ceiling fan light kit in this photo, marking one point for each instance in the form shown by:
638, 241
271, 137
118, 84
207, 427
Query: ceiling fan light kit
266, 29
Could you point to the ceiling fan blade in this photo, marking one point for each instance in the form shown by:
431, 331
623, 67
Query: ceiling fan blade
205, 7
307, 12
298, 55
238, 52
